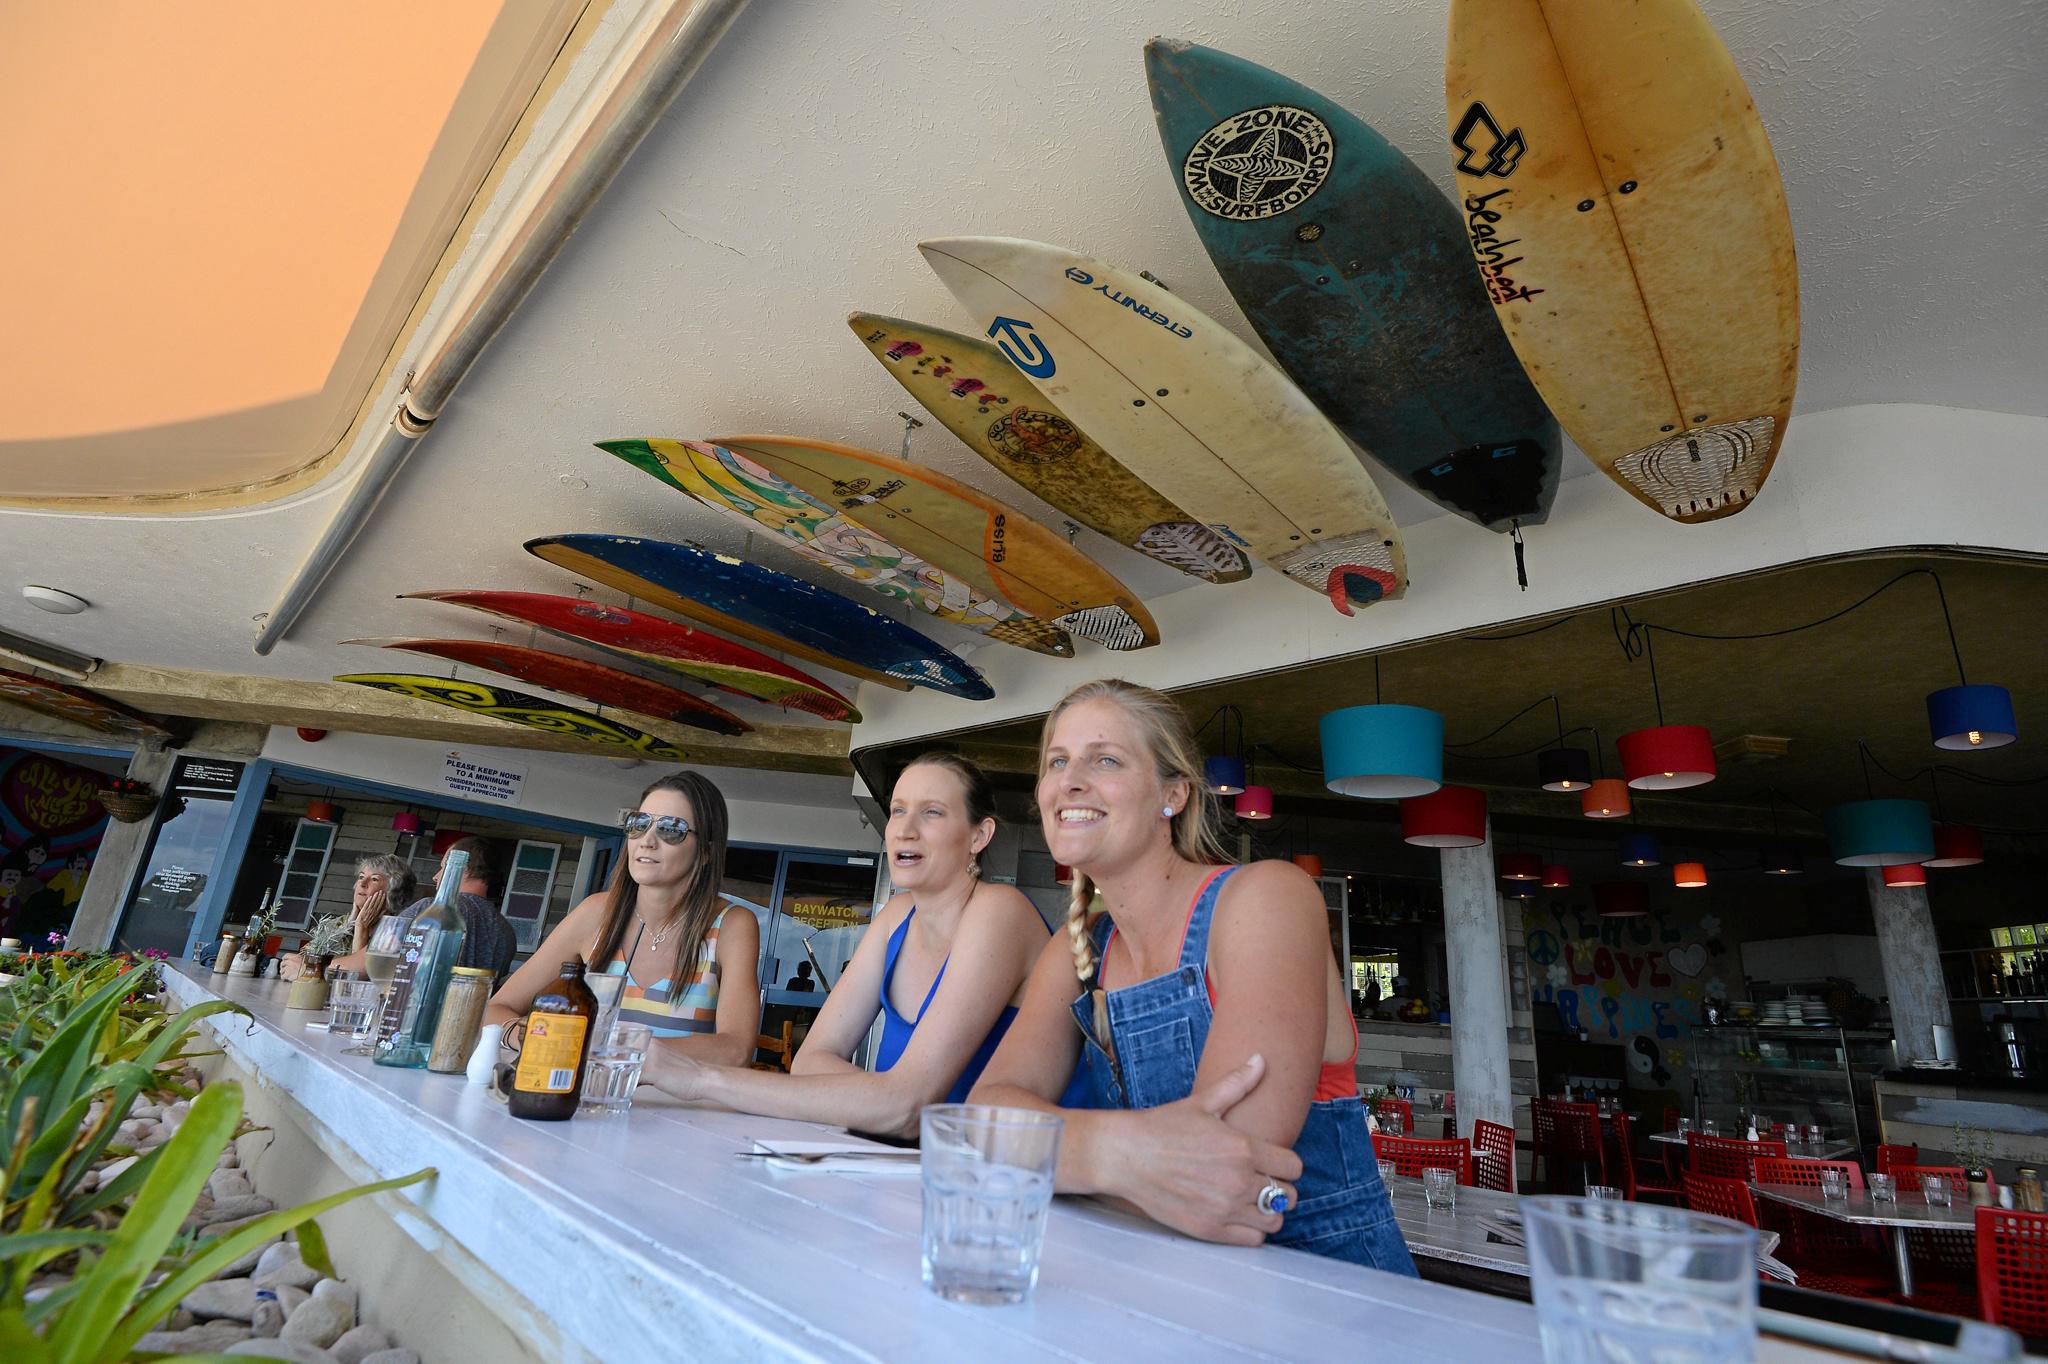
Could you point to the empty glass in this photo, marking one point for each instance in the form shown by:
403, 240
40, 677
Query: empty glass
1684, 1125
1833, 1185
1619, 1281
1710, 1128
987, 1184
1440, 1188
1935, 1189
613, 1070
349, 1006
1604, 1191
1883, 1189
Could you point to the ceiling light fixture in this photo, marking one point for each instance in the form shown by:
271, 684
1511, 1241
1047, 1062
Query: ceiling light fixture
1621, 899
1224, 772
1607, 797
1255, 802
1382, 752
1640, 850
1448, 817
1968, 715
1779, 857
1905, 875
1664, 757
54, 600
1561, 768
1689, 875
1879, 833
1520, 866
1557, 876
1956, 845
49, 657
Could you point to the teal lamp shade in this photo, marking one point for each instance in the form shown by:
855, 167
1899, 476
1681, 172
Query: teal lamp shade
1880, 833
1383, 752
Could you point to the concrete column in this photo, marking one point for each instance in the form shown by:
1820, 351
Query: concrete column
1475, 952
1912, 965
115, 864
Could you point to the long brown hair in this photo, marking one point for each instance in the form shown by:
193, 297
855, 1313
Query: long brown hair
701, 902
1170, 742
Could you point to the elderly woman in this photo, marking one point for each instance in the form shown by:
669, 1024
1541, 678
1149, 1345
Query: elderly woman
384, 885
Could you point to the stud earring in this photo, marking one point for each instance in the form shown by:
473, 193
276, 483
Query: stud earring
1166, 812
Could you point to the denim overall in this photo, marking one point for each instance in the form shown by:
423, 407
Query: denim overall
1159, 1027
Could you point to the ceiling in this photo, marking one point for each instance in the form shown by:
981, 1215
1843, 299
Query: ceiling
791, 180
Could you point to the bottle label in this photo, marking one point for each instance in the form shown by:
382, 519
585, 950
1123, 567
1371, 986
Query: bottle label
414, 948
554, 1044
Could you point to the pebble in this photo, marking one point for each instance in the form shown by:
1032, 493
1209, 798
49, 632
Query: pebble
392, 1357
247, 1265
111, 1172
178, 1321
335, 1288
361, 1342
267, 1320
222, 1298
130, 1132
178, 1111
288, 1297
213, 1229
293, 1273
146, 1110
213, 1337
229, 1183
319, 1321
276, 1256
230, 1209
227, 1159
291, 1351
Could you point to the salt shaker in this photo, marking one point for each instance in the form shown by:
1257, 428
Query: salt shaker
484, 1060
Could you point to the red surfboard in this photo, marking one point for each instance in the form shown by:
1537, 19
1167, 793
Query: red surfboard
77, 705
650, 639
606, 686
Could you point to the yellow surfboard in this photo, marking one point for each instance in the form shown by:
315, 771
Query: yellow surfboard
1629, 222
962, 531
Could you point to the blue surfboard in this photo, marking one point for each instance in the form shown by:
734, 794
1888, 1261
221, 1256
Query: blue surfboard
766, 608
1357, 273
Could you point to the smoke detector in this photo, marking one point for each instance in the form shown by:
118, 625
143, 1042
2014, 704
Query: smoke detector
54, 600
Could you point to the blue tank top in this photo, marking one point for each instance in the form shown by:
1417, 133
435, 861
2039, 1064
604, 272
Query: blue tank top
896, 1029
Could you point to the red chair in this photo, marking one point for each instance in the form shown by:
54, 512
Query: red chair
1493, 1156
1400, 1112
1854, 1259
1671, 1117
1728, 1157
1944, 1259
1894, 1154
2012, 1269
1568, 1133
1634, 1185
1721, 1197
1908, 1177
1412, 1155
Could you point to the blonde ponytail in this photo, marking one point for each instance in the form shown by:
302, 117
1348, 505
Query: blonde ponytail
1078, 903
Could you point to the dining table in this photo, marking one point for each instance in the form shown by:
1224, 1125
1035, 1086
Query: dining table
1832, 1149
1908, 1212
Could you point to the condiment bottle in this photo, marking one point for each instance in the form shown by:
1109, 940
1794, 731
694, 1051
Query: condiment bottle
549, 1081
483, 1061
2027, 1189
462, 1013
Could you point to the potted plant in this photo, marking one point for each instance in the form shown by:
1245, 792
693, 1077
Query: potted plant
127, 799
328, 940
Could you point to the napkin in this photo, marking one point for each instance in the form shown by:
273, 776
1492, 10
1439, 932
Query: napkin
849, 1157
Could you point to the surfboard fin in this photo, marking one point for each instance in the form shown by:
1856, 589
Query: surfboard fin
1521, 559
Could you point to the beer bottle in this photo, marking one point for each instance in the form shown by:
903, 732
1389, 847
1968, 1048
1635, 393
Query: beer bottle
548, 1083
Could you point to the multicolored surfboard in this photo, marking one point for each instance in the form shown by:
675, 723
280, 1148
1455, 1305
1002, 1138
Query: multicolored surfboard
576, 677
964, 531
1356, 273
1629, 224
730, 483
665, 643
76, 704
971, 387
520, 708
771, 609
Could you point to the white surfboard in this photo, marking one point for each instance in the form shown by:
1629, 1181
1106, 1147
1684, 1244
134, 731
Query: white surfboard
1187, 407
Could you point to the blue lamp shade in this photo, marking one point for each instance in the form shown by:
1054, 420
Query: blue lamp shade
1880, 833
1383, 752
1640, 850
1975, 716
1224, 774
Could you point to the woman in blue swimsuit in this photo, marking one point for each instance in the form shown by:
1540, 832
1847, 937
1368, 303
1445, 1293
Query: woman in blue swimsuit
943, 963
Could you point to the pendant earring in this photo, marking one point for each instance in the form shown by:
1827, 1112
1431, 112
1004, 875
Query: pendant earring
974, 867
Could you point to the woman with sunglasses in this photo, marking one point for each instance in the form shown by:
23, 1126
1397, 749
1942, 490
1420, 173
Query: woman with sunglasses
943, 963
1214, 1028
691, 962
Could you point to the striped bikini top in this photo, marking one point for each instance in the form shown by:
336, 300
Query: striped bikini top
669, 1012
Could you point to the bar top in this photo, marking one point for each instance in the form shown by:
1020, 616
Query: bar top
629, 1235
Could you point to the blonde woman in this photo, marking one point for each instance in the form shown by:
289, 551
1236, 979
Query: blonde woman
1213, 1023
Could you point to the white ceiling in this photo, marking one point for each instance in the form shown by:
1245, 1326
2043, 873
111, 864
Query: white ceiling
791, 181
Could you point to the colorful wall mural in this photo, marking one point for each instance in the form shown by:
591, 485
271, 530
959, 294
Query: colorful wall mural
51, 822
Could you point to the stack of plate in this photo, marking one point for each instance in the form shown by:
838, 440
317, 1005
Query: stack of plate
1776, 1014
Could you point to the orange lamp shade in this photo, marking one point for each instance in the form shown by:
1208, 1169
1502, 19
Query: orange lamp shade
1667, 758
1448, 817
1906, 874
1606, 798
1689, 875
1520, 867
1255, 802
1309, 863
320, 811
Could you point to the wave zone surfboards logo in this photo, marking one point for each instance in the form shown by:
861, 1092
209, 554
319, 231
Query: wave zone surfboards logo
1259, 163
1483, 149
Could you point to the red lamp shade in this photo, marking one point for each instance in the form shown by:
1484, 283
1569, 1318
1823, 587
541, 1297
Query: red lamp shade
1255, 802
1957, 845
320, 811
1621, 899
1689, 875
1557, 876
1906, 874
1667, 758
444, 839
1520, 867
311, 735
1309, 863
405, 822
1606, 798
1448, 817
1062, 874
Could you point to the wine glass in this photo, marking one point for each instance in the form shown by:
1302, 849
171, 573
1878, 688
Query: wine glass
380, 963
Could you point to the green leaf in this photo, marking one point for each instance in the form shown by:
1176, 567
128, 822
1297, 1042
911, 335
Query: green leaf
33, 1242
19, 1343
117, 1189
313, 1248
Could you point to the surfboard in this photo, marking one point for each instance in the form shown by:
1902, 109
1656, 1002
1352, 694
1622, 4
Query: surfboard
980, 397
576, 677
77, 705
740, 489
521, 708
1187, 407
1630, 228
768, 608
1355, 271
665, 643
964, 531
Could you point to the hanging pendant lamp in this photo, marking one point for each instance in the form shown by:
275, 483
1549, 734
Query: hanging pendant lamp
1689, 875
1621, 899
1309, 863
1905, 875
1561, 768
1879, 833
1383, 752
1664, 757
1781, 859
1062, 874
1640, 850
1255, 802
1448, 817
1520, 866
320, 811
405, 822
1957, 845
1606, 798
1519, 890
1556, 876
1968, 715
1224, 772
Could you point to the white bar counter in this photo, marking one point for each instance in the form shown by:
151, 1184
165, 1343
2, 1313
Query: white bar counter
643, 1238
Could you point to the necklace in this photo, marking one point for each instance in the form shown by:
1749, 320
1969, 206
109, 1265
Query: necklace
660, 934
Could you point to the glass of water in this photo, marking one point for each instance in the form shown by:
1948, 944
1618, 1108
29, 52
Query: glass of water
1935, 1189
1833, 1185
987, 1184
1883, 1189
349, 1005
1640, 1281
613, 1070
1440, 1188
1604, 1191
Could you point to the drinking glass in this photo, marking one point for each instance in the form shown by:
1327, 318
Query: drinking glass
1883, 1189
349, 1005
1833, 1185
987, 1184
1935, 1189
1640, 1281
1710, 1128
1604, 1191
1440, 1188
1684, 1126
380, 961
613, 1070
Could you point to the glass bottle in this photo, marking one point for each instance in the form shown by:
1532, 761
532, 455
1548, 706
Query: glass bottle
548, 1083
426, 958
462, 1018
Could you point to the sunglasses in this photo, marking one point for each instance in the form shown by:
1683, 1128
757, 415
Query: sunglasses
670, 829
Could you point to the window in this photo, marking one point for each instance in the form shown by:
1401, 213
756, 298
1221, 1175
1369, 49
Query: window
529, 887
1381, 968
304, 867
